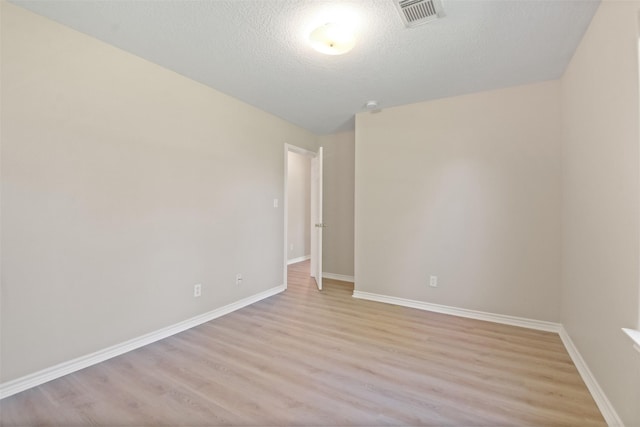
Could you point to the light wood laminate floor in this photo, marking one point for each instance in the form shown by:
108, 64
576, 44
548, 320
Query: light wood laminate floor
312, 358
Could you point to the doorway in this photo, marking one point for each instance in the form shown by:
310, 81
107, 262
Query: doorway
303, 210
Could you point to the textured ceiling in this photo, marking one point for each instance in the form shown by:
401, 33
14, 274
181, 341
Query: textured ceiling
257, 50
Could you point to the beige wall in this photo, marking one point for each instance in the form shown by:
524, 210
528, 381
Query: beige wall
123, 185
468, 189
338, 183
601, 192
299, 206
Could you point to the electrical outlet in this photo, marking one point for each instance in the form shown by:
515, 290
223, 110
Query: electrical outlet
433, 281
197, 290
238, 279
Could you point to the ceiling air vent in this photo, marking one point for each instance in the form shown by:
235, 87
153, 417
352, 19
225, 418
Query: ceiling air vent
418, 12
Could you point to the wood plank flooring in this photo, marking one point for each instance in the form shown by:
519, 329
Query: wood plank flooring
307, 358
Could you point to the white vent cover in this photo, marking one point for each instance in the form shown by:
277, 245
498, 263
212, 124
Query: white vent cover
418, 12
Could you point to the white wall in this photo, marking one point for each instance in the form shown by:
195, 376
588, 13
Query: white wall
338, 200
123, 185
601, 193
299, 206
468, 189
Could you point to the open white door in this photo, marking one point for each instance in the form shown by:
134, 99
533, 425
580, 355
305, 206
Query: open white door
316, 218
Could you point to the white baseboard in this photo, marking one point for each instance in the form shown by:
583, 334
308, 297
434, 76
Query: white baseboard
608, 412
340, 277
462, 312
606, 408
32, 380
299, 259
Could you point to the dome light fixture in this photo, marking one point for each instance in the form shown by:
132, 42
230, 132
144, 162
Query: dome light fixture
332, 39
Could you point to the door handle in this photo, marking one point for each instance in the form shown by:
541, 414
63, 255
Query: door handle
321, 225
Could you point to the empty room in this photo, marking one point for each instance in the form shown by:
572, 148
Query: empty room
318, 212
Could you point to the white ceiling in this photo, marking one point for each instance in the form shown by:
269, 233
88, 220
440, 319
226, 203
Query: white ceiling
257, 50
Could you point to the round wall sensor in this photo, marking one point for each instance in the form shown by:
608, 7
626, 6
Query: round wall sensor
372, 105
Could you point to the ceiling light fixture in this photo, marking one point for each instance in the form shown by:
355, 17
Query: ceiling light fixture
332, 39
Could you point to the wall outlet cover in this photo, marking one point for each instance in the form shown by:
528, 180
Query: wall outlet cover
433, 281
